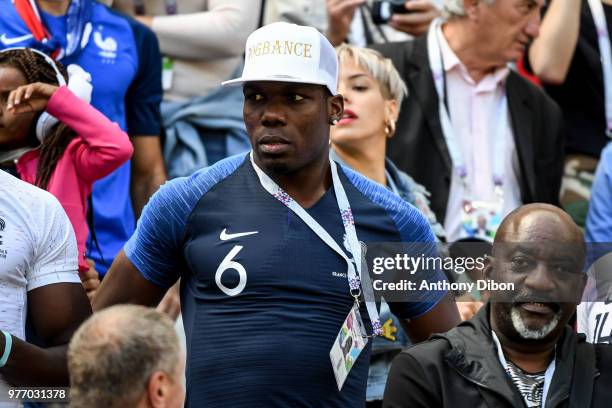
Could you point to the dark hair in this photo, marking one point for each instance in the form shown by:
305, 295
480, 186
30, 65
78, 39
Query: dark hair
36, 69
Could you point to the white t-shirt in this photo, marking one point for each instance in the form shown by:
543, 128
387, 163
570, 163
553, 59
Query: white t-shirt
594, 319
37, 248
594, 314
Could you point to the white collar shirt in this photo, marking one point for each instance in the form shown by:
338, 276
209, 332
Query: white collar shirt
473, 111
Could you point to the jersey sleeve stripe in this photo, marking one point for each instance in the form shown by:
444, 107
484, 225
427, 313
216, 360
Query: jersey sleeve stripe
155, 249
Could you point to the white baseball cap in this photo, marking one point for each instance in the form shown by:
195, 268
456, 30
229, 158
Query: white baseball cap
284, 52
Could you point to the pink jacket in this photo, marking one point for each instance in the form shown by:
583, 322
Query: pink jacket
99, 148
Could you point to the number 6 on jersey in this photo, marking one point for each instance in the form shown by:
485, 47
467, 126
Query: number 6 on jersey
226, 264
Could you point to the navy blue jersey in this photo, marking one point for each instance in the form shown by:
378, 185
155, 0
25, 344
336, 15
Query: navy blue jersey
266, 344
124, 61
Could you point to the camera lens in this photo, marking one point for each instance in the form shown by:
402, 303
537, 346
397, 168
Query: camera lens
381, 12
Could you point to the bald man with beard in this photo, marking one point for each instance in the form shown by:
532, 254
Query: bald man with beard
518, 350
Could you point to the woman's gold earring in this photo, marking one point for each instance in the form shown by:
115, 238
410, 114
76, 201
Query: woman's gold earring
389, 128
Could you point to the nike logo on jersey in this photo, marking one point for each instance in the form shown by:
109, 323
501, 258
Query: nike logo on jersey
14, 40
224, 236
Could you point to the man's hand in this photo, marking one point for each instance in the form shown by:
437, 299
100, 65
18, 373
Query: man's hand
417, 21
171, 303
339, 16
30, 98
90, 280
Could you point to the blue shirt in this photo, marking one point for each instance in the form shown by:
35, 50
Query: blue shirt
599, 218
124, 61
269, 344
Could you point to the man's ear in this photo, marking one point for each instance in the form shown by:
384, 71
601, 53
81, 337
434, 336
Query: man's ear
471, 8
158, 389
335, 107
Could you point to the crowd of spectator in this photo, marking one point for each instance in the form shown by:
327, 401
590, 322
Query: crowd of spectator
228, 165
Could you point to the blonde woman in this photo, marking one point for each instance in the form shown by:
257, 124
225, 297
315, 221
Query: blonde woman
373, 92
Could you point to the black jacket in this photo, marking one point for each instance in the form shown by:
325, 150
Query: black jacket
461, 369
420, 150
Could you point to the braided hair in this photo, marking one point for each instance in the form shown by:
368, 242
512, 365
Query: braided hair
36, 69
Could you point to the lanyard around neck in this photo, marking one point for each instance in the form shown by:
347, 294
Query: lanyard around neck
437, 69
78, 24
359, 280
548, 375
139, 7
605, 52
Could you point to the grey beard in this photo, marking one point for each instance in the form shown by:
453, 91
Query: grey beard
531, 334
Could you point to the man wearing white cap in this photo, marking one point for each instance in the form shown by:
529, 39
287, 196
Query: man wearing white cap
264, 244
